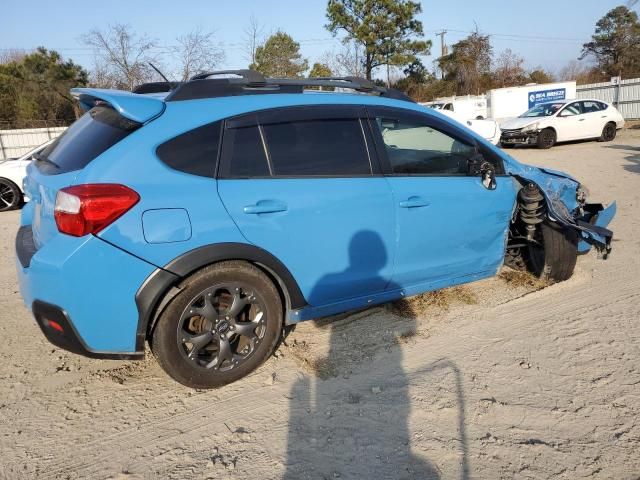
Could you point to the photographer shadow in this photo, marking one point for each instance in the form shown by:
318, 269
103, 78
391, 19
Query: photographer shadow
343, 427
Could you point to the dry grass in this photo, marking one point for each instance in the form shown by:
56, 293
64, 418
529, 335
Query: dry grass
438, 300
522, 279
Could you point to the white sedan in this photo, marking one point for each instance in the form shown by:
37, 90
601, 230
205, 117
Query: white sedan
487, 129
12, 172
549, 123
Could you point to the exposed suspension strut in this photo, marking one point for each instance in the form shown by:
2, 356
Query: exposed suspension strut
532, 208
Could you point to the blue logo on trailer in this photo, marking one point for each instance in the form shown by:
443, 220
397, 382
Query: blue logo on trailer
543, 96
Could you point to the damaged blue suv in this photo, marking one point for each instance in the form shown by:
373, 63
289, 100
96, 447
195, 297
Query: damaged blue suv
205, 217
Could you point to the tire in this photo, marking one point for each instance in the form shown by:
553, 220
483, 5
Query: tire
10, 195
547, 138
609, 132
554, 259
219, 353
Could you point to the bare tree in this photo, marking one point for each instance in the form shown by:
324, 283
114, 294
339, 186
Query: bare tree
122, 56
12, 55
348, 61
253, 38
508, 70
196, 52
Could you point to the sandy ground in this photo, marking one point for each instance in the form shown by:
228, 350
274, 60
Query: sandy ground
507, 382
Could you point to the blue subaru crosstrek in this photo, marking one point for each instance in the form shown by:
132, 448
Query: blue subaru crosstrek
207, 216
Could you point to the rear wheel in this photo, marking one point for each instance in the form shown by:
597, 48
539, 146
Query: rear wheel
547, 138
609, 132
10, 195
554, 253
224, 323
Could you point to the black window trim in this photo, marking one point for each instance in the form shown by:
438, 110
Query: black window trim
300, 113
430, 121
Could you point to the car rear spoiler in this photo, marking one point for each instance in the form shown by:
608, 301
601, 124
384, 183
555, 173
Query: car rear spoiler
139, 108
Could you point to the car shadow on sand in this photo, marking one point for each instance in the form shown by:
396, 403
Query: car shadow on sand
363, 424
633, 158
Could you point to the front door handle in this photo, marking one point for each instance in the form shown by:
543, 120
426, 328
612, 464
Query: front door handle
265, 206
414, 202
581, 120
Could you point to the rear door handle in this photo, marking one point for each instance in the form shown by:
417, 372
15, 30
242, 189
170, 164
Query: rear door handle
265, 206
581, 120
414, 202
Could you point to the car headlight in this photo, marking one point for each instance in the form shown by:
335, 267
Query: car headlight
531, 128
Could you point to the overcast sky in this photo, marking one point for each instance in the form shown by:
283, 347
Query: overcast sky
547, 33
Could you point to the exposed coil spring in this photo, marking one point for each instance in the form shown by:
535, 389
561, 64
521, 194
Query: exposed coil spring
532, 207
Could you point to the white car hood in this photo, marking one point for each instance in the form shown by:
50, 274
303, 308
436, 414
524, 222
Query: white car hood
517, 123
485, 128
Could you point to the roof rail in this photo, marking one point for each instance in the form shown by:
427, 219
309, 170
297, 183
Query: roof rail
251, 77
250, 82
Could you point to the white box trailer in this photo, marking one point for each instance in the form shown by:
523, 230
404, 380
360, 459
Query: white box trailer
511, 102
471, 107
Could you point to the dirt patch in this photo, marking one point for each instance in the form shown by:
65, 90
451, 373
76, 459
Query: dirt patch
439, 300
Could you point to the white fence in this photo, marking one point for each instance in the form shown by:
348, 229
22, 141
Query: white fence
625, 95
15, 143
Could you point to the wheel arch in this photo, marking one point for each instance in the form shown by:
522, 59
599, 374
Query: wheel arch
161, 286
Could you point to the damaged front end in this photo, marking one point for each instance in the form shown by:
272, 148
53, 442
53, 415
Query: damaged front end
550, 194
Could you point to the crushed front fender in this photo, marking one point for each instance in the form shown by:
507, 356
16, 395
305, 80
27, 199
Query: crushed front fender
561, 197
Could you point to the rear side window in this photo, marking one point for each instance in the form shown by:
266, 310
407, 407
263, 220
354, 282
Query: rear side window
331, 147
91, 135
591, 107
244, 153
194, 152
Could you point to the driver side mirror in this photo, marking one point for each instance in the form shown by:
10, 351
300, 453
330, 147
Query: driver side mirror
477, 165
488, 173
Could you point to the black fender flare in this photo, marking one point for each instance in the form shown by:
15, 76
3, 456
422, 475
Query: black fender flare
153, 292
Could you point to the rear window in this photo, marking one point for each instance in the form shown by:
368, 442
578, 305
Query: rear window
92, 134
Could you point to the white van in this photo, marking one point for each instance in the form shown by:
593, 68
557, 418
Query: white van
469, 107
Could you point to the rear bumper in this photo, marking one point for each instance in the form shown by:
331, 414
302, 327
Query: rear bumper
59, 330
88, 287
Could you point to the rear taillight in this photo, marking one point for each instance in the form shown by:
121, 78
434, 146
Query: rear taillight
85, 209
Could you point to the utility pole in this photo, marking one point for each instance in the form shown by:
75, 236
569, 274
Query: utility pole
443, 49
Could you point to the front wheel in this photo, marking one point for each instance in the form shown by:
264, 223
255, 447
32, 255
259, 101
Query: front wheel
10, 195
546, 138
224, 323
554, 254
609, 132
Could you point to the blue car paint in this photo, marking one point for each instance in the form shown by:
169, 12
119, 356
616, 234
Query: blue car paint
166, 225
452, 235
94, 282
104, 309
139, 108
317, 234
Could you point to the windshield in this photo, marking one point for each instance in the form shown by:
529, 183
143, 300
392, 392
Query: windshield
437, 106
542, 110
